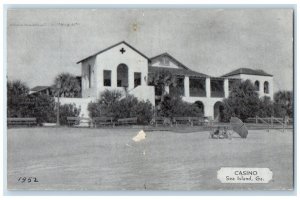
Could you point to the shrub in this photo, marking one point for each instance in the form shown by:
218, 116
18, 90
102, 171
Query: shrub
130, 106
94, 109
21, 104
144, 112
40, 106
17, 93
174, 106
111, 105
110, 96
106, 105
67, 110
43, 108
243, 102
125, 107
266, 107
283, 104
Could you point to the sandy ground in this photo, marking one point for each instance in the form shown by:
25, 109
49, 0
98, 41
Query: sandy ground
107, 159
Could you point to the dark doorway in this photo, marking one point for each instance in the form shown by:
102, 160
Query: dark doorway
200, 105
218, 111
137, 79
122, 75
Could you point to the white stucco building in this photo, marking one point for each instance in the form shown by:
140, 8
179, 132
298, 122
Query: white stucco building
124, 68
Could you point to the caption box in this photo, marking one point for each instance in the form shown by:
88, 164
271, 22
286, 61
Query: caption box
244, 175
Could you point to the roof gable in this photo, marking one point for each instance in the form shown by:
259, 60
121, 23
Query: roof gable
177, 71
247, 71
110, 47
165, 57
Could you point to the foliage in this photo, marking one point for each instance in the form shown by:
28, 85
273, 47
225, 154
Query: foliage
130, 106
69, 85
94, 109
106, 105
44, 109
110, 96
17, 88
162, 78
17, 92
283, 104
112, 105
243, 102
21, 104
124, 108
67, 110
144, 112
266, 107
40, 106
174, 106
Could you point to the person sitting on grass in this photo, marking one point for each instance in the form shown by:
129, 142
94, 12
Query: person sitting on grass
223, 133
216, 133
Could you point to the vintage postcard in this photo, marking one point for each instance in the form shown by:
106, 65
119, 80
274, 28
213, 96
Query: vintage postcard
150, 99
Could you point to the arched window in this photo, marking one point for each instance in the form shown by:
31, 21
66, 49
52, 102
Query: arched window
122, 75
266, 87
256, 85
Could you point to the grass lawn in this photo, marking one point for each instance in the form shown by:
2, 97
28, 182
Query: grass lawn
107, 159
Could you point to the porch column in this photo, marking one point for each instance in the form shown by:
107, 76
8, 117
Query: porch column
167, 89
130, 79
187, 86
207, 88
226, 88
208, 110
261, 88
113, 78
271, 89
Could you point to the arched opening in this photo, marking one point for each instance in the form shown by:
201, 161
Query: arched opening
200, 105
266, 87
218, 111
256, 85
122, 75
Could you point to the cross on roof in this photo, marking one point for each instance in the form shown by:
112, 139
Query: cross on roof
122, 50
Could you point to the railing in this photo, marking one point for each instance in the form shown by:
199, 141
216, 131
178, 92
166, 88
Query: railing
271, 121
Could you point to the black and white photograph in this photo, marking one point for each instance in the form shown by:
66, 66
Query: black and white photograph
150, 99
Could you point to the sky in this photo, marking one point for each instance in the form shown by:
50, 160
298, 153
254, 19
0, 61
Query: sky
41, 43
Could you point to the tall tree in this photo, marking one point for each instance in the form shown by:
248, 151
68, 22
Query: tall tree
67, 85
16, 88
283, 103
17, 92
266, 108
174, 106
243, 102
160, 79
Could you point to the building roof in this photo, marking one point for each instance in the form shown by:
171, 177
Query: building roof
247, 71
122, 42
183, 71
171, 57
39, 88
178, 72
